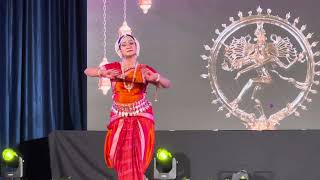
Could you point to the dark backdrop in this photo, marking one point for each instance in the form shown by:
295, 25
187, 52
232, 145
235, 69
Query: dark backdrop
42, 58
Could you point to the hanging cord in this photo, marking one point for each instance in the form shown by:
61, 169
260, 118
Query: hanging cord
104, 28
104, 83
124, 10
106, 19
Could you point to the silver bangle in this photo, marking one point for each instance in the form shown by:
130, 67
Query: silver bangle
99, 72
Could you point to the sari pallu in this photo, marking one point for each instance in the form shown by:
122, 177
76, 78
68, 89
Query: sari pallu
129, 146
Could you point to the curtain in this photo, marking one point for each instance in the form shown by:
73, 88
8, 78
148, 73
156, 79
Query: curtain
42, 58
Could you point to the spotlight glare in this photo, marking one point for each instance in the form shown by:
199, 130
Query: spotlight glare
8, 154
163, 155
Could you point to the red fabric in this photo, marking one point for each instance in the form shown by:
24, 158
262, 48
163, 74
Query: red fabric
127, 159
114, 65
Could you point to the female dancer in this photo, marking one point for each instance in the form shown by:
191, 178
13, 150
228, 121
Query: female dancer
129, 141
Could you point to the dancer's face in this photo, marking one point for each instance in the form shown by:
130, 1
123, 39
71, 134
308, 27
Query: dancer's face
128, 47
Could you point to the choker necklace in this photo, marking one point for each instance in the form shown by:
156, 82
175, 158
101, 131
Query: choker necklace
123, 69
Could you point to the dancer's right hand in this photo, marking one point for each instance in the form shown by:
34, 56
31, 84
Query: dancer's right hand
110, 73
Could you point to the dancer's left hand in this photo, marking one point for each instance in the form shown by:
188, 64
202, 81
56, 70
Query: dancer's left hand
149, 76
